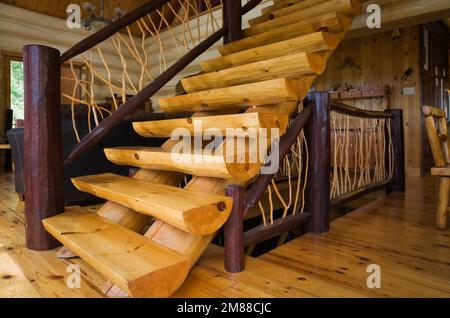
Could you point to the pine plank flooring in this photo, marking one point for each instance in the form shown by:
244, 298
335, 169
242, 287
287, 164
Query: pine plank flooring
395, 232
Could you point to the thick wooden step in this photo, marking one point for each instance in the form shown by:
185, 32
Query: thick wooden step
195, 213
311, 8
201, 165
345, 7
292, 66
199, 125
280, 4
331, 22
247, 95
314, 42
137, 265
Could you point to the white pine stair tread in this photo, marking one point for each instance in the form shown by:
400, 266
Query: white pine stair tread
137, 265
201, 165
247, 95
194, 212
199, 125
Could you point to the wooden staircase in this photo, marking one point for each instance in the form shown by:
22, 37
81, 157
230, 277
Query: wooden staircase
269, 71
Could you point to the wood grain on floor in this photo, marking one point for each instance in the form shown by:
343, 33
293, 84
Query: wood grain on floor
396, 232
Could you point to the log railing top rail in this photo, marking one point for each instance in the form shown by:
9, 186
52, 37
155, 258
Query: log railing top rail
345, 109
112, 29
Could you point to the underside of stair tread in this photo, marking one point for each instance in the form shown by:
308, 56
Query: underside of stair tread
195, 125
194, 212
253, 94
291, 66
310, 43
136, 264
344, 7
330, 22
201, 165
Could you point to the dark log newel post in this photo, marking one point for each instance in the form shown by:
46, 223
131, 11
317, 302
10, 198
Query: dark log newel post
318, 185
232, 20
234, 232
398, 179
43, 172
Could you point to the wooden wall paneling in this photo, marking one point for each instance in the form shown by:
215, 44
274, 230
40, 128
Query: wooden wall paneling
383, 60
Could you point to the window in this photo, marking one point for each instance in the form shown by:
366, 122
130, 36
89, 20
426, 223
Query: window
13, 87
16, 90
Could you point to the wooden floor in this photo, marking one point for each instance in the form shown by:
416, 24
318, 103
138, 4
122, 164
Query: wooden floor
395, 232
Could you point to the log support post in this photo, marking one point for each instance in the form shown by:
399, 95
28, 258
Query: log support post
234, 232
232, 20
43, 170
398, 179
318, 185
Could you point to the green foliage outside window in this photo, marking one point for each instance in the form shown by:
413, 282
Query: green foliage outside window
17, 90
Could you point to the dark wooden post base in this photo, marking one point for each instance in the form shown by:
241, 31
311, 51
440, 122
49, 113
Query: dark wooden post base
318, 187
43, 172
234, 232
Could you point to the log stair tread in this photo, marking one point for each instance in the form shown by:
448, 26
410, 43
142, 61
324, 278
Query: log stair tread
330, 22
342, 7
290, 66
281, 4
137, 265
310, 43
308, 8
193, 212
201, 165
260, 93
195, 125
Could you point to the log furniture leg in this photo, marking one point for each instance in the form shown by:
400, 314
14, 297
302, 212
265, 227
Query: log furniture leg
442, 212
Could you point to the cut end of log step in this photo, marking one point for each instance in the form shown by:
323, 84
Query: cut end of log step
137, 265
193, 212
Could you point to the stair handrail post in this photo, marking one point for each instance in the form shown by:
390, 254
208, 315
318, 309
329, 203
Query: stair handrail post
318, 185
398, 182
232, 20
234, 232
43, 164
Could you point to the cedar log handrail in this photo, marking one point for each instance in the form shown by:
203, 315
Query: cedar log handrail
346, 109
112, 29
